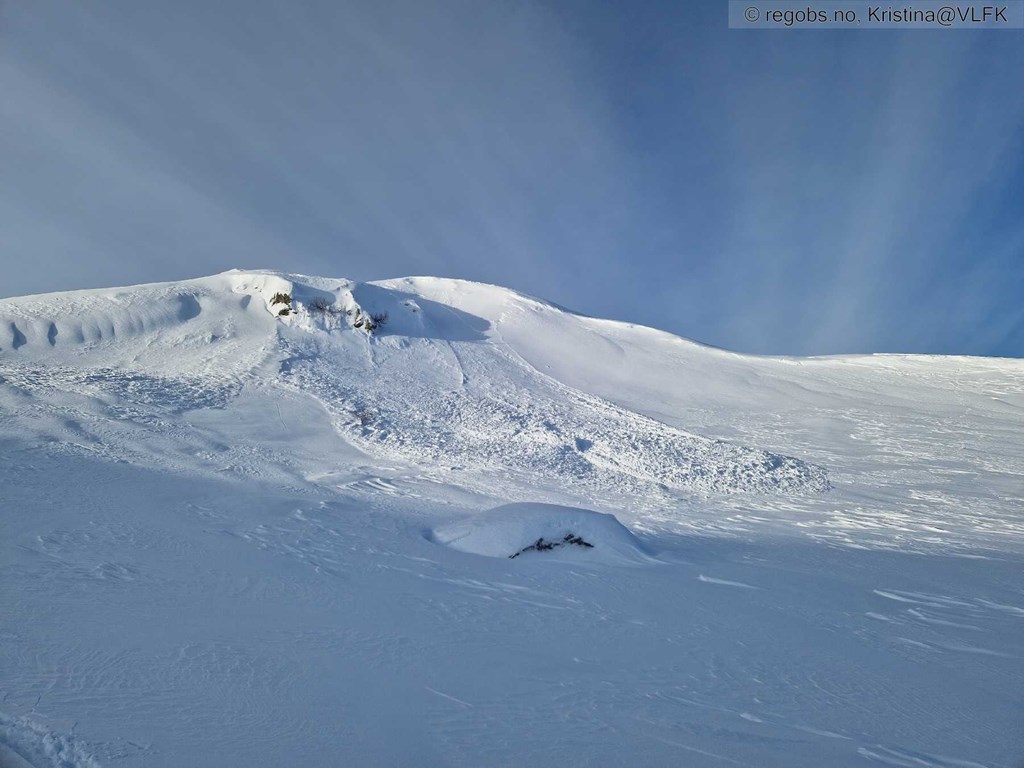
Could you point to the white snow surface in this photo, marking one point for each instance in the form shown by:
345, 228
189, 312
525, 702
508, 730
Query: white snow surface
232, 537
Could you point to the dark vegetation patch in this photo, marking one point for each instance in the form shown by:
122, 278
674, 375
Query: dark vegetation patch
323, 306
543, 545
369, 322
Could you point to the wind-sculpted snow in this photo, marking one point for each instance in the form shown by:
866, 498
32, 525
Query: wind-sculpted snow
236, 537
91, 319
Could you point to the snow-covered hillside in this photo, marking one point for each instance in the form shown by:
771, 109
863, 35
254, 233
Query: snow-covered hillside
249, 521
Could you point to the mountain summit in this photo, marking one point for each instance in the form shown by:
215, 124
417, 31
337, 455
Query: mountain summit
422, 370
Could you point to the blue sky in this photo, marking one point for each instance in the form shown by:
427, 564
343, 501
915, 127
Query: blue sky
789, 192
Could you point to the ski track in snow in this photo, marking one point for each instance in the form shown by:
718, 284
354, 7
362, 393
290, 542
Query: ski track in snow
221, 539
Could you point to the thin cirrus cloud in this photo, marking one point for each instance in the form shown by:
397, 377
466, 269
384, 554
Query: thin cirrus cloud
872, 221
841, 192
774, 192
349, 140
352, 140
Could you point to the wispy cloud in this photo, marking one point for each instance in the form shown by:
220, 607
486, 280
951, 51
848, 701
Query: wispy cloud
357, 139
773, 192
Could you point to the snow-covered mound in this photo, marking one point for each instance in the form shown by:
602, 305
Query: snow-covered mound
545, 531
400, 375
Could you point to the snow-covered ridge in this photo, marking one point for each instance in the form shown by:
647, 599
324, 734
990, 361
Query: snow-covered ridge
437, 381
467, 374
470, 375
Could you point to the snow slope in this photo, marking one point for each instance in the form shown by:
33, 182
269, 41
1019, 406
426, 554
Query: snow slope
234, 536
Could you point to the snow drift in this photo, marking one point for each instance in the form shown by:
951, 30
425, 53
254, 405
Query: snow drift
545, 531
